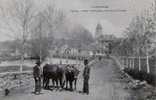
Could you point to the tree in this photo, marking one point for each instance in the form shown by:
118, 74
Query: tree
17, 21
45, 24
40, 41
81, 35
139, 34
54, 19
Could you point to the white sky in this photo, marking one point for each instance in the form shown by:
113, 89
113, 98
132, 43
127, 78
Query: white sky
112, 22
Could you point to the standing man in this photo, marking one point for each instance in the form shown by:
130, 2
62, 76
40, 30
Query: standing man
86, 74
37, 77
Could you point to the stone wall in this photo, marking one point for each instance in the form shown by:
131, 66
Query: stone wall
15, 80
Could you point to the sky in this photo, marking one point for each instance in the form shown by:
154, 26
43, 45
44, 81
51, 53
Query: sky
112, 22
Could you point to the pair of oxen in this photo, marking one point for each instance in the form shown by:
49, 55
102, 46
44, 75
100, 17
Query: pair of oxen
60, 75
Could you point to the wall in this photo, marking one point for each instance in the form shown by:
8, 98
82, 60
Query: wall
14, 80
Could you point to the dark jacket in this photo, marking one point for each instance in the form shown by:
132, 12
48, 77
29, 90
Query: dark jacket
86, 72
37, 71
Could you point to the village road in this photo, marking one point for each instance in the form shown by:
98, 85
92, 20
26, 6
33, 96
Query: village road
105, 84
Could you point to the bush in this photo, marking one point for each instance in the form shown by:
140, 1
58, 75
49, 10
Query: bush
141, 75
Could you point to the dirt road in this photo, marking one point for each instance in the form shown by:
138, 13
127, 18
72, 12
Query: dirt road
105, 84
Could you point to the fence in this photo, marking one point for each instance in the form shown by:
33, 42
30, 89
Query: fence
146, 64
69, 56
15, 80
143, 68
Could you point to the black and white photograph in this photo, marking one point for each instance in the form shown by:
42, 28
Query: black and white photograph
77, 49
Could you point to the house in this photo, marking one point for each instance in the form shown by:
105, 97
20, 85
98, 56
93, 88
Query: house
100, 46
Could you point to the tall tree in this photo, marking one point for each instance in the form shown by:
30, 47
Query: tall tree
45, 24
17, 20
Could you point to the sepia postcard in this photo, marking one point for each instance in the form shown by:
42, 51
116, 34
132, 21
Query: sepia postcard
77, 49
